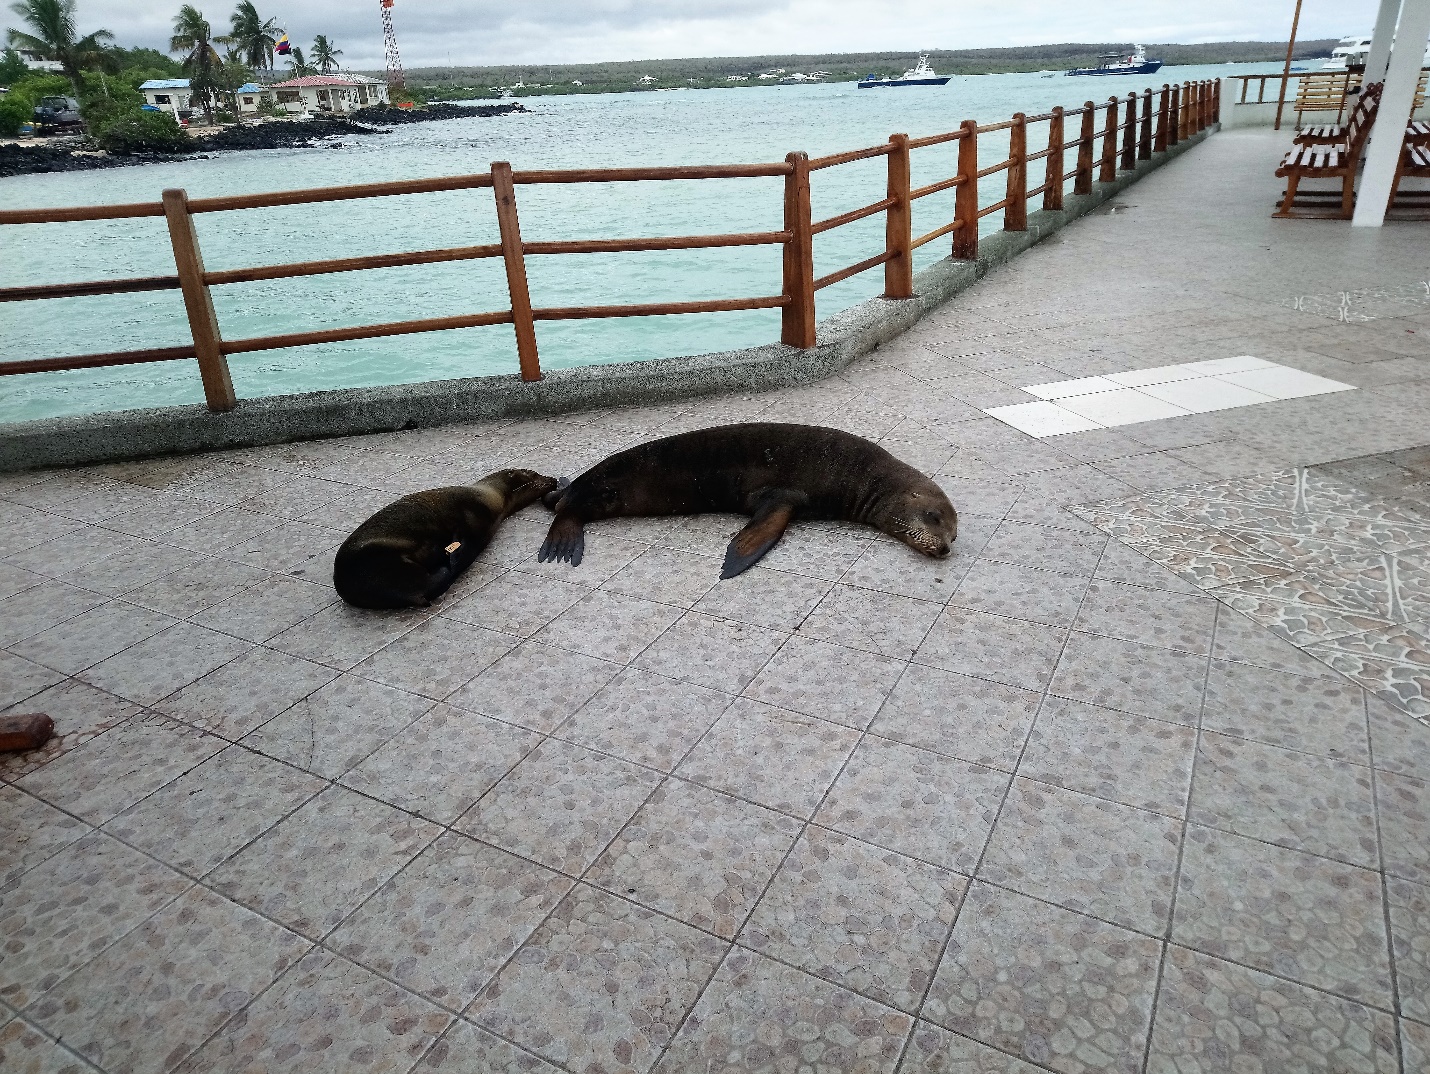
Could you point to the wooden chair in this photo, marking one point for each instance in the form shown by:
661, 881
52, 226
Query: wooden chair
1323, 93
1332, 160
1414, 162
1332, 133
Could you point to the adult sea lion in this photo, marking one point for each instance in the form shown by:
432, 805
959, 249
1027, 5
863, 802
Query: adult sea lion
412, 550
772, 472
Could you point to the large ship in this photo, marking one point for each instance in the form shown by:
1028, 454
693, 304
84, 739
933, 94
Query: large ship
1350, 55
1117, 63
920, 74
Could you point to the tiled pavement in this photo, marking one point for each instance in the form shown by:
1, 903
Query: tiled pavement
1046, 805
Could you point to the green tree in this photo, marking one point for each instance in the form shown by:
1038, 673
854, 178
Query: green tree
325, 57
299, 66
12, 67
253, 36
55, 36
194, 39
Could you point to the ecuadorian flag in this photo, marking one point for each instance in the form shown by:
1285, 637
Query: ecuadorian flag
282, 47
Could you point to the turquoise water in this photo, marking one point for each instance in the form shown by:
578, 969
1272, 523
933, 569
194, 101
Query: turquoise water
691, 127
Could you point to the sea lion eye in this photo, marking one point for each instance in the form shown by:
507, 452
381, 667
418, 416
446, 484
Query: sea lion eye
932, 516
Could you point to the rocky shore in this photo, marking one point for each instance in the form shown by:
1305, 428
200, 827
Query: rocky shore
78, 154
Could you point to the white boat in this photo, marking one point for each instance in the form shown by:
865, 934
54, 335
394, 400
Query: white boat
1350, 53
920, 74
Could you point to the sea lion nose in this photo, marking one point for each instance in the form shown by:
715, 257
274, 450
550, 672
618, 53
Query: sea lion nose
943, 550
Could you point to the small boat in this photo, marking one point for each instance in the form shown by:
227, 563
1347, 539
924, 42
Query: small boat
1115, 63
920, 74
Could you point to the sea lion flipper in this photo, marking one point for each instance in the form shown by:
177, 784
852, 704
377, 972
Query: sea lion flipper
552, 499
771, 517
565, 540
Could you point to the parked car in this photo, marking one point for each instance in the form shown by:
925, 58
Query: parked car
57, 113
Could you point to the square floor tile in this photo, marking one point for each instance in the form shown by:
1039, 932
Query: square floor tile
1315, 921
1087, 854
1246, 642
1162, 374
1281, 382
320, 863
36, 831
342, 636
819, 678
20, 679
719, 654
1206, 394
934, 1050
1144, 679
519, 604
1240, 364
975, 719
1149, 616
534, 685
437, 658
1046, 548
1125, 406
325, 1014
1042, 418
889, 566
444, 925
93, 636
602, 985
761, 597
1065, 991
260, 612
777, 758
646, 718
80, 713
1399, 743
1011, 651
697, 855
1062, 389
758, 1015
165, 662
1313, 715
1409, 906
880, 623
245, 693
666, 575
190, 590
25, 1048
609, 626
560, 806
1404, 807
859, 916
465, 1049
1291, 799
1010, 589
1125, 758
1212, 1014
923, 804
158, 993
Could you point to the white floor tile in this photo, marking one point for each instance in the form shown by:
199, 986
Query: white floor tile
1282, 382
1063, 388
1138, 378
1125, 407
1204, 394
1042, 419
1241, 364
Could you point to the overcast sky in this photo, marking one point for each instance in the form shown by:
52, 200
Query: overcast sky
480, 32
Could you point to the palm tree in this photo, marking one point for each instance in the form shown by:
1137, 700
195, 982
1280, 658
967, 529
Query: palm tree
194, 38
253, 35
54, 36
298, 65
324, 55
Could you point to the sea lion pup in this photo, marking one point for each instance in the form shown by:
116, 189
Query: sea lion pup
774, 473
408, 553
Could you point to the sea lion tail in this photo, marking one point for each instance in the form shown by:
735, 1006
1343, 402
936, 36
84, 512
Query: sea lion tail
551, 498
565, 540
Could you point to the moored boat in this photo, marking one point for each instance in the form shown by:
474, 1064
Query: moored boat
920, 74
1116, 63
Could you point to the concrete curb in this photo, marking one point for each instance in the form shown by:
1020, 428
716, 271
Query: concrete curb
841, 339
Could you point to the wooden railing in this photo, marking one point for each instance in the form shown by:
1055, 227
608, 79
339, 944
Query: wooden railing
1166, 117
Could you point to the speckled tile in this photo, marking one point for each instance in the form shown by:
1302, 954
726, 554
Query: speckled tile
1143, 679
24, 1049
259, 612
859, 916
1011, 651
34, 832
158, 993
880, 623
1053, 550
889, 566
1315, 921
437, 658
934, 1050
1403, 804
1125, 563
1062, 990
1409, 916
646, 718
1398, 743
519, 604
20, 678
560, 806
666, 575
1029, 593
759, 1016
958, 715
602, 985
245, 693
342, 636
65, 911
214, 810
80, 713
536, 686
1241, 640
1291, 799
445, 924
164, 662
776, 600
465, 1049
815, 549
609, 626
697, 855
1414, 1045
197, 588
40, 607
1212, 1016
1087, 854
936, 808
719, 654
324, 1015
1172, 621
771, 756
819, 678
337, 725
1125, 758
441, 763
95, 635
314, 868
15, 579
1313, 715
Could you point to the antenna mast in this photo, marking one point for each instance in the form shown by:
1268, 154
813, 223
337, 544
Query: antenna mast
389, 44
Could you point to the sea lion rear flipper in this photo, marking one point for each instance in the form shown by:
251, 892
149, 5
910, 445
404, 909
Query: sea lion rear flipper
565, 540
772, 515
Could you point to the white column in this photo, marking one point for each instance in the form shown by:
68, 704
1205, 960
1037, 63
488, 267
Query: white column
1388, 135
1385, 20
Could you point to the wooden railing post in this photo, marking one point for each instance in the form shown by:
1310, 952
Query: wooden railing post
797, 319
1174, 119
1053, 179
1216, 101
1082, 184
1109, 144
1196, 108
965, 206
1015, 213
1144, 144
198, 303
1184, 128
515, 257
1159, 145
1129, 134
898, 223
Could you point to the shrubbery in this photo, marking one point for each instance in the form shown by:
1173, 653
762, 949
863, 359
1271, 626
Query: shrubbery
15, 111
142, 132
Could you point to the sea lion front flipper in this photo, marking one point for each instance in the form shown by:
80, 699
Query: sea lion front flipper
553, 498
772, 515
565, 540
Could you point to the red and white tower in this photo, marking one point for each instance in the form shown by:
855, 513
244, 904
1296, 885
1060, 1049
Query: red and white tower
389, 44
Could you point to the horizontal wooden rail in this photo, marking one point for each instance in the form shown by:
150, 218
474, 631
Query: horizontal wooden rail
1041, 154
934, 188
989, 128
96, 361
935, 139
1037, 190
854, 154
675, 242
937, 233
390, 189
350, 264
993, 169
848, 218
366, 331
852, 270
638, 175
80, 212
989, 210
92, 287
657, 309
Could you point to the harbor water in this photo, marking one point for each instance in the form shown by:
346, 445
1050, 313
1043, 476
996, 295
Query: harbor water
610, 130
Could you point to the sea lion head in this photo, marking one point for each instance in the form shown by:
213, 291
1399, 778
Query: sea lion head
517, 488
921, 516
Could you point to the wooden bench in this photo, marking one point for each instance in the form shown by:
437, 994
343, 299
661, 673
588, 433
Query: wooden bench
1323, 93
1414, 162
1332, 133
1332, 160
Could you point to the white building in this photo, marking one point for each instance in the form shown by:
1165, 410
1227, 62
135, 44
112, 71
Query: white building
35, 62
167, 94
329, 93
